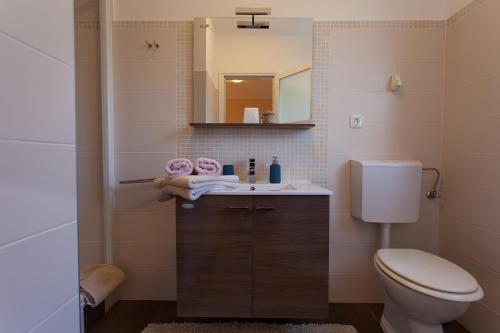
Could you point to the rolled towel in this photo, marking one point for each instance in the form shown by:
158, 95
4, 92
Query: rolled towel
98, 281
195, 181
179, 167
194, 193
207, 167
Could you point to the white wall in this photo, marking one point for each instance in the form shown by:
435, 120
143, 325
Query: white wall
453, 6
470, 215
38, 229
318, 9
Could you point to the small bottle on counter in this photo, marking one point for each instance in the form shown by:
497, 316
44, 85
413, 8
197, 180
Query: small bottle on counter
275, 172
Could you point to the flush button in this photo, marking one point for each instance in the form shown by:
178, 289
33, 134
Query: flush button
187, 206
356, 121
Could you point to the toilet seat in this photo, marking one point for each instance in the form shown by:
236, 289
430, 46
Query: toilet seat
428, 274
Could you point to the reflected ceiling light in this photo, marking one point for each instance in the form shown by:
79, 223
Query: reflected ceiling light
236, 81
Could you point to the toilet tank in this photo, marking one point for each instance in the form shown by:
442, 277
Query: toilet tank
386, 191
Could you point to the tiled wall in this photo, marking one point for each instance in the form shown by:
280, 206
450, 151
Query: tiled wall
88, 133
470, 220
38, 237
351, 67
147, 84
401, 125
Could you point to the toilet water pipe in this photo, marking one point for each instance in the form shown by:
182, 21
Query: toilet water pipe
385, 235
432, 195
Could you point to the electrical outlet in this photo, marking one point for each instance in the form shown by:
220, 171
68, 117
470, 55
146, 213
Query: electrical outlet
357, 121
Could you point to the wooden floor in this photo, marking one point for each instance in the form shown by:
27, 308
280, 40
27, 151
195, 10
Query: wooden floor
133, 316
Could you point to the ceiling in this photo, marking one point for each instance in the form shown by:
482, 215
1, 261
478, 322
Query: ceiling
317, 9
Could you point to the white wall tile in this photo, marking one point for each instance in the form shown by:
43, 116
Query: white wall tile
63, 320
145, 256
140, 198
422, 76
365, 44
423, 44
149, 285
90, 226
38, 240
88, 121
144, 227
481, 318
41, 270
89, 181
144, 75
469, 229
130, 44
38, 188
86, 10
356, 288
35, 23
90, 253
145, 137
31, 85
353, 258
141, 165
149, 106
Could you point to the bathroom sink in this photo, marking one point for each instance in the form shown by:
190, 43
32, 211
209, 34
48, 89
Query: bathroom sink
297, 188
265, 187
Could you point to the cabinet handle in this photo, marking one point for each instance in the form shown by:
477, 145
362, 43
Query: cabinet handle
238, 207
264, 208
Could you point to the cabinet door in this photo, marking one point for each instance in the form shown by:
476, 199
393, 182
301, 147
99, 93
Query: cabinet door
290, 256
214, 257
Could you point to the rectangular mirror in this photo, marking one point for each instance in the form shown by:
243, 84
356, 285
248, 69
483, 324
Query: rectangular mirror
245, 75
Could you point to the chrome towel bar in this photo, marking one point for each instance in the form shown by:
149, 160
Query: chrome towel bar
137, 181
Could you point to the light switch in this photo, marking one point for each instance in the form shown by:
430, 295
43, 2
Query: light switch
357, 121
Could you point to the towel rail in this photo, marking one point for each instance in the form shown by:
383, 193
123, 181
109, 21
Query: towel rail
137, 181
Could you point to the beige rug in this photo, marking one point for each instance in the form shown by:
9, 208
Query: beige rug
236, 327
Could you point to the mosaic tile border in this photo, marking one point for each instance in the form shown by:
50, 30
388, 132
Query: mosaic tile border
147, 24
87, 24
424, 24
464, 11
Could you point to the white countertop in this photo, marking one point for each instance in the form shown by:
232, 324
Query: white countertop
288, 188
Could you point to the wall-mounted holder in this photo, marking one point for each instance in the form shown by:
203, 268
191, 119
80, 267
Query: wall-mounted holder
396, 82
152, 44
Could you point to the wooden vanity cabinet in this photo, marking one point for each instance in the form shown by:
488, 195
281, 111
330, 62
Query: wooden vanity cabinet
253, 257
214, 257
290, 256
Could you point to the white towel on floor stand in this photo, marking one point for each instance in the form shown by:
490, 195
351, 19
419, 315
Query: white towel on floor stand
195, 181
169, 191
98, 281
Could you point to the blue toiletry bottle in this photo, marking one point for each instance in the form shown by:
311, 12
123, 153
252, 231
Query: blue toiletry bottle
275, 172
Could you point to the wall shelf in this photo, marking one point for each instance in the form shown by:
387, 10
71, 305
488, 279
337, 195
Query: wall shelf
263, 126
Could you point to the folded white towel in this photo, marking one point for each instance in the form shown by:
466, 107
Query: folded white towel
98, 281
195, 181
194, 193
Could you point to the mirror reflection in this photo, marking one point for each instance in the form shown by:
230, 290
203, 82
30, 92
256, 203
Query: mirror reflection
252, 75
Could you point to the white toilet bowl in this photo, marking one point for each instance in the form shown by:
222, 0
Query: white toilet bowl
422, 290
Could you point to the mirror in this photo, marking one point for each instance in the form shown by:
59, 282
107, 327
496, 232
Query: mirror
252, 75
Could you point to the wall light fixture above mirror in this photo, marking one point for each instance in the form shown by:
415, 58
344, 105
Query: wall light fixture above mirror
244, 76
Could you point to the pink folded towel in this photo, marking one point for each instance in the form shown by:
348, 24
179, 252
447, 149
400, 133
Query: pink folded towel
179, 167
207, 167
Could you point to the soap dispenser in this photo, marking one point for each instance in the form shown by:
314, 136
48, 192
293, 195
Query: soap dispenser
275, 172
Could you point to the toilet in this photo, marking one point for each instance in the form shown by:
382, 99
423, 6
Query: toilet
422, 290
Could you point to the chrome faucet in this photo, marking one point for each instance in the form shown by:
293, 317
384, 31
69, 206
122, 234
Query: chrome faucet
252, 178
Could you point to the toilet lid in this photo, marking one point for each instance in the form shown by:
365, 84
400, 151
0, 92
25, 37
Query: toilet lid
428, 270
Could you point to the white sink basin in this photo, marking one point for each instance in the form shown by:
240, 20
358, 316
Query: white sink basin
297, 188
265, 187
